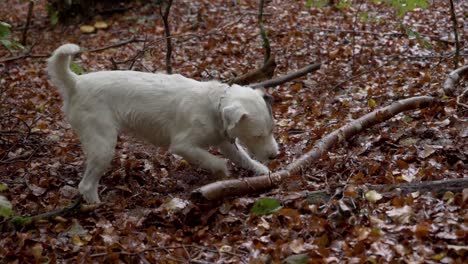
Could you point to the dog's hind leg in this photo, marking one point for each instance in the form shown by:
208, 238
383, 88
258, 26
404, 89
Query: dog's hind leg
239, 156
98, 142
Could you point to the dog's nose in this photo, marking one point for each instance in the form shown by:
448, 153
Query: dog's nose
273, 156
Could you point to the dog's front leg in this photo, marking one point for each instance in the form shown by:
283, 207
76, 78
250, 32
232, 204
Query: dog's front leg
239, 156
201, 157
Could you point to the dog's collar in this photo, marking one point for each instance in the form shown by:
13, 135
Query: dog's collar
220, 111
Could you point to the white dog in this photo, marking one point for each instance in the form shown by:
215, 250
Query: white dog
184, 115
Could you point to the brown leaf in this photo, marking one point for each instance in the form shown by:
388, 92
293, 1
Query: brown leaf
401, 215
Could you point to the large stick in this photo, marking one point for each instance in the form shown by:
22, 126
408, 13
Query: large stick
235, 187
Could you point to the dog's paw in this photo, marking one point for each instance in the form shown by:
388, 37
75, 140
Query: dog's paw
261, 169
220, 175
221, 172
90, 195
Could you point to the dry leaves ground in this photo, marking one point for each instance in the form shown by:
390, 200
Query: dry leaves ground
41, 161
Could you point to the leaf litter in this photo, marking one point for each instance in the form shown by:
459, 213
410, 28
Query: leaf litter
147, 219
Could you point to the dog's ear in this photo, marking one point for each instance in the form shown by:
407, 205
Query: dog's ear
232, 115
266, 96
268, 99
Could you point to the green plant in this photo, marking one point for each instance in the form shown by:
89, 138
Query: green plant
403, 6
265, 206
5, 37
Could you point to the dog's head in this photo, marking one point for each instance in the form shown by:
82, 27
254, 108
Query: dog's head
247, 116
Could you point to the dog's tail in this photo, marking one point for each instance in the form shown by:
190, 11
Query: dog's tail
58, 68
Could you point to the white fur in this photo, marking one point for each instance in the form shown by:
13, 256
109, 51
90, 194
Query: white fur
184, 115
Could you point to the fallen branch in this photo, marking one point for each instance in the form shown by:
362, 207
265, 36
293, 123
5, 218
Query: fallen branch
75, 207
26, 220
379, 34
439, 187
452, 80
154, 41
264, 73
61, 211
288, 77
235, 187
27, 54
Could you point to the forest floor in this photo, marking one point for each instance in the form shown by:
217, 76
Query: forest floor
368, 61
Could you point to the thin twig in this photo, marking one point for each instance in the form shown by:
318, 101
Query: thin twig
167, 31
28, 22
356, 76
353, 37
140, 53
61, 211
118, 44
24, 55
263, 33
152, 42
455, 32
166, 248
379, 34
133, 59
459, 98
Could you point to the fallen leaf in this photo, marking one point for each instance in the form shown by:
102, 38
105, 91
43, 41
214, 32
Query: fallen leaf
297, 245
225, 248
297, 259
37, 250
427, 151
458, 248
265, 206
448, 197
373, 196
363, 233
401, 215
3, 187
175, 204
408, 141
372, 103
5, 207
77, 240
87, 29
101, 25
